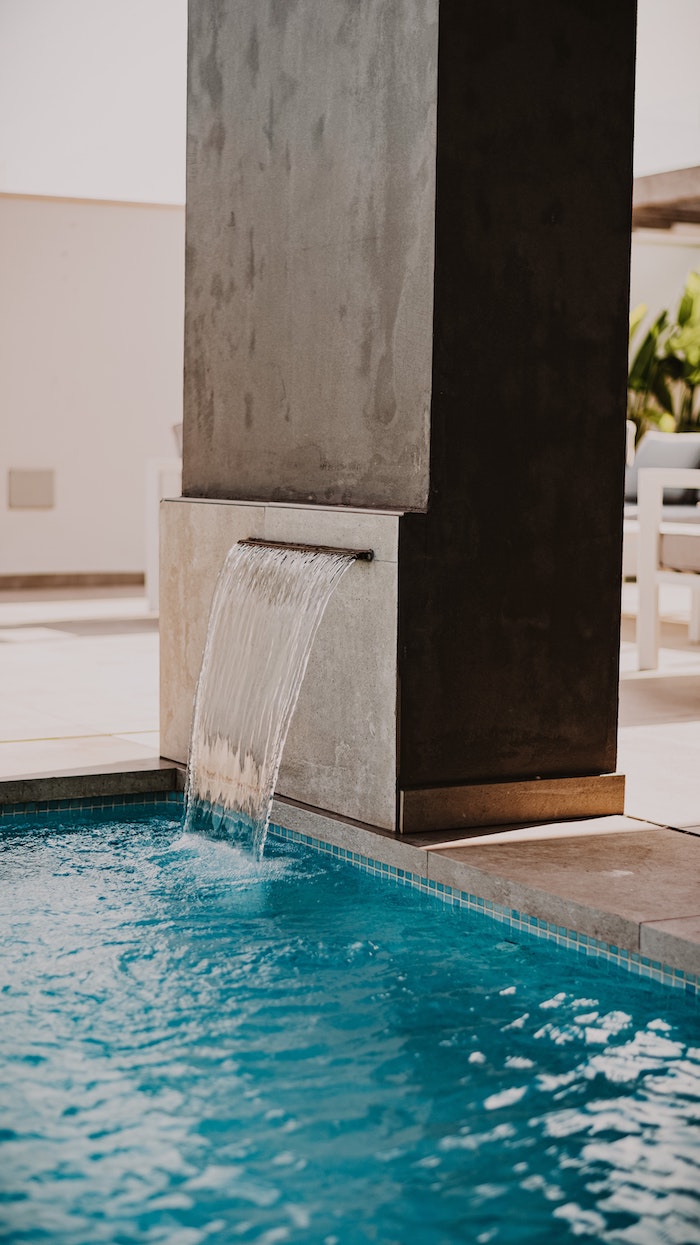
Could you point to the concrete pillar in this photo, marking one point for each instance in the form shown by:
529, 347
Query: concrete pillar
406, 306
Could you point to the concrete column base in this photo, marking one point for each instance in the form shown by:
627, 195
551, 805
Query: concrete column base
496, 804
340, 753
342, 749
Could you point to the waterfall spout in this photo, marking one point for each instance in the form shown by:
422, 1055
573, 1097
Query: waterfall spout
267, 605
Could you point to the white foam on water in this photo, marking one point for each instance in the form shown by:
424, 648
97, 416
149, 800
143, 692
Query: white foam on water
219, 860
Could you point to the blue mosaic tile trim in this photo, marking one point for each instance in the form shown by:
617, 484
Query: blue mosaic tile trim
31, 809
582, 944
171, 802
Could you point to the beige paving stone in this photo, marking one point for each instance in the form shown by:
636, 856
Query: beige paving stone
94, 684
23, 722
659, 735
32, 635
67, 695
40, 757
675, 942
45, 606
657, 701
612, 883
533, 832
662, 766
149, 739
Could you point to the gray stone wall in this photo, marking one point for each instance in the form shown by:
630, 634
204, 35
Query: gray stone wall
310, 236
340, 753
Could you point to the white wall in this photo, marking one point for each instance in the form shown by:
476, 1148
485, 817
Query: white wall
660, 263
667, 136
667, 111
93, 98
92, 109
91, 313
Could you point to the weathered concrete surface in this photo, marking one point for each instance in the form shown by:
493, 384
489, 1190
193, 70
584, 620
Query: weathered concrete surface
194, 541
340, 752
310, 237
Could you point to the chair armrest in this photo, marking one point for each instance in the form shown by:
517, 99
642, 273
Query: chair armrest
651, 482
650, 486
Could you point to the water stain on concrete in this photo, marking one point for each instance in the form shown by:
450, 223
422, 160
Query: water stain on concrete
384, 397
366, 342
253, 55
317, 132
250, 266
216, 138
209, 72
281, 11
269, 127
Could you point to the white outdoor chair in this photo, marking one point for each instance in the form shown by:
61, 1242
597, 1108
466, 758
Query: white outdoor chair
656, 449
667, 552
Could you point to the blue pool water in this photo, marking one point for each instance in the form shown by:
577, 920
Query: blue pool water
199, 1048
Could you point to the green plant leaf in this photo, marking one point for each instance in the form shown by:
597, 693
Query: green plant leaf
661, 391
636, 318
640, 372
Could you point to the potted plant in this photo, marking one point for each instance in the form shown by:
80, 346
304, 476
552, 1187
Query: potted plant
664, 375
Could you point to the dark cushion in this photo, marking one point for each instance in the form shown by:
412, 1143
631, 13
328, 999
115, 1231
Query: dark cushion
665, 449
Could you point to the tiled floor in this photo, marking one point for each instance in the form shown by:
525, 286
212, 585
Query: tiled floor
79, 679
659, 736
79, 673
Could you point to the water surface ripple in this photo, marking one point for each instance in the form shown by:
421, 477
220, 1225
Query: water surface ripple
198, 1047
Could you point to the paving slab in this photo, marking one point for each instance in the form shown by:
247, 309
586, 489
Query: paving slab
135, 778
603, 885
42, 757
675, 942
659, 731
79, 674
662, 765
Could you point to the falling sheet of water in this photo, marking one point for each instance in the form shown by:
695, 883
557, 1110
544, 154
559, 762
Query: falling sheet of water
266, 609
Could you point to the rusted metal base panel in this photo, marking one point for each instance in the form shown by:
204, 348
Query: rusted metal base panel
506, 803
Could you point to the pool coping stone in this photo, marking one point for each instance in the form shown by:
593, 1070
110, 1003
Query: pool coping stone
662, 945
126, 778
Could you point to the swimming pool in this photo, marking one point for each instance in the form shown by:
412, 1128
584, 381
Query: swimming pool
200, 1048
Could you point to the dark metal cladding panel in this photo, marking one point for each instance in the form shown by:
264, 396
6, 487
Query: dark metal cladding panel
310, 243
510, 585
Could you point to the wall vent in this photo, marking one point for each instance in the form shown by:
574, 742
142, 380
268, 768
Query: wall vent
30, 490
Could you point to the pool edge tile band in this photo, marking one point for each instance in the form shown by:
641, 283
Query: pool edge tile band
583, 944
25, 809
634, 962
